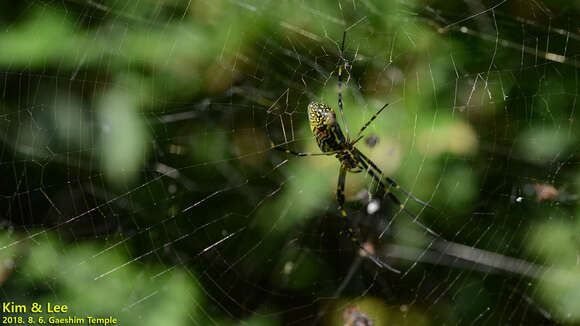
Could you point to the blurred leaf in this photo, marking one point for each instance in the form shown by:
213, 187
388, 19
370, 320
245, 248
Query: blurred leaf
96, 282
541, 144
43, 37
559, 286
124, 138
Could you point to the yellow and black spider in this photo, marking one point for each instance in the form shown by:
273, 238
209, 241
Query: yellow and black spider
332, 141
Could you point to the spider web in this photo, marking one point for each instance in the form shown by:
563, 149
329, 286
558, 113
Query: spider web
139, 181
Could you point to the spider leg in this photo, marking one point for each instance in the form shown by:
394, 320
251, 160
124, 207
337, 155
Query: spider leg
396, 200
340, 189
289, 151
359, 135
342, 63
389, 180
351, 234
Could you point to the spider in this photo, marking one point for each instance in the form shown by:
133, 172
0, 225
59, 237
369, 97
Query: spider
331, 140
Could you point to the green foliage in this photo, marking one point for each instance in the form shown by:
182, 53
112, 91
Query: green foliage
101, 282
135, 141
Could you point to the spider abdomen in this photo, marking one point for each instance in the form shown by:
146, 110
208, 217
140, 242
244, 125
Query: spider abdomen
325, 128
